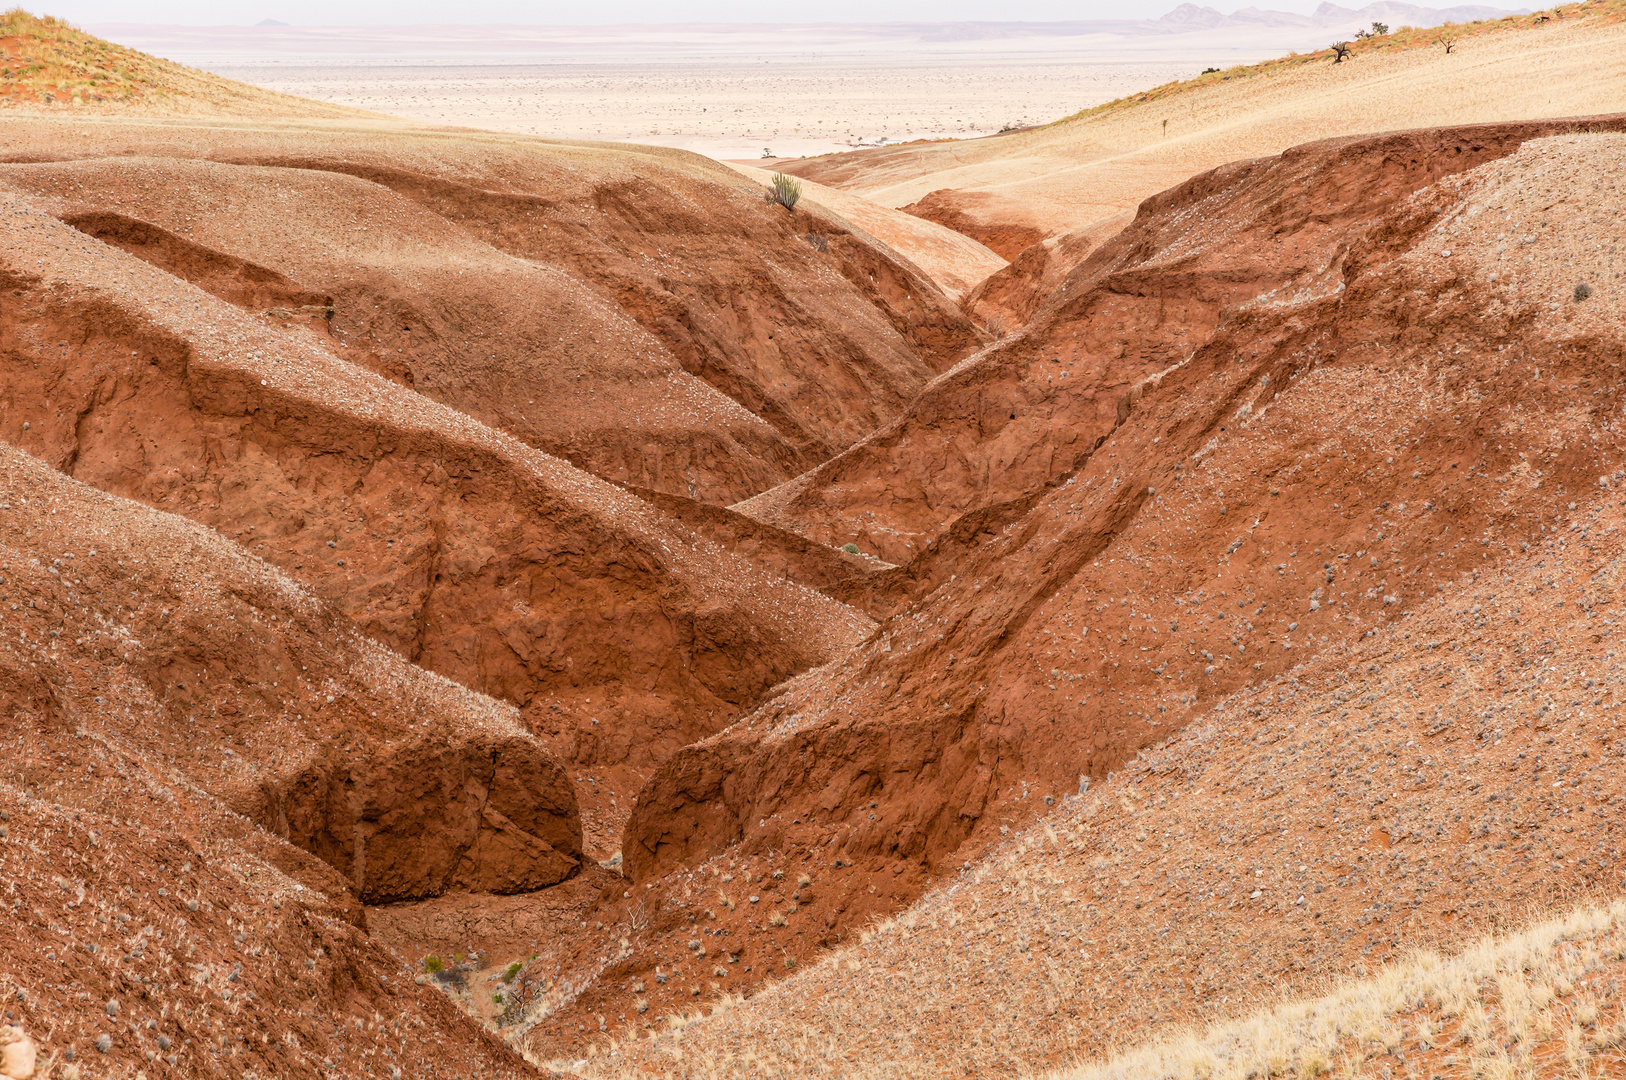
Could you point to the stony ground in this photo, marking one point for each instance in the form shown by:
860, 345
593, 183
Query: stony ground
159, 920
1368, 487
1241, 622
1544, 1002
1449, 776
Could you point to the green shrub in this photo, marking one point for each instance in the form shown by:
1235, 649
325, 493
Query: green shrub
513, 969
851, 549
433, 963
786, 191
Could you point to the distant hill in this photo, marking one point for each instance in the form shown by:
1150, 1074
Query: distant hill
1085, 173
46, 62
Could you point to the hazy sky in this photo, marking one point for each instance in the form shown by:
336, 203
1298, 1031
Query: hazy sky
574, 12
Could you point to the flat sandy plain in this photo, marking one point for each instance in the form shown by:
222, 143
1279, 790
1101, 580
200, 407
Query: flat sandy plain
725, 91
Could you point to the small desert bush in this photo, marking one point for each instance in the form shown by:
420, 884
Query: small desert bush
786, 190
851, 549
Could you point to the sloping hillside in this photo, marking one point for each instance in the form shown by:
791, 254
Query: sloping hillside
185, 729
953, 260
436, 539
466, 551
718, 303
1018, 420
1345, 447
1442, 777
405, 783
47, 65
1013, 190
1544, 1001
639, 313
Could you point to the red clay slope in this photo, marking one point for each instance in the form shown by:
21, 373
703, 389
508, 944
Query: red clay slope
201, 661
1449, 776
823, 344
1340, 447
1015, 421
171, 705
464, 550
510, 277
519, 346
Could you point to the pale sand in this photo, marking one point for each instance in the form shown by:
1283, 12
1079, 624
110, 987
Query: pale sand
1072, 175
955, 262
726, 92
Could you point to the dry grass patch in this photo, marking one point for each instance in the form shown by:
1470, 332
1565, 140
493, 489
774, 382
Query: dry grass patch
48, 63
1545, 1001
1548, 999
45, 60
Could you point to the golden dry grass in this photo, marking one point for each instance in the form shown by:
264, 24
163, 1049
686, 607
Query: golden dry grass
1543, 1001
46, 63
46, 60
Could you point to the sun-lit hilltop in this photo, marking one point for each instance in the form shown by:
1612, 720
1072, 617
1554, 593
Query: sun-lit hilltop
47, 63
1088, 171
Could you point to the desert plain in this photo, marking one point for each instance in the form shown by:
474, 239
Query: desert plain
1132, 595
733, 91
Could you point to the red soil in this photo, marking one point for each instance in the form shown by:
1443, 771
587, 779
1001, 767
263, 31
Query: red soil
464, 550
181, 721
1014, 422
474, 407
948, 207
824, 360
1308, 469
